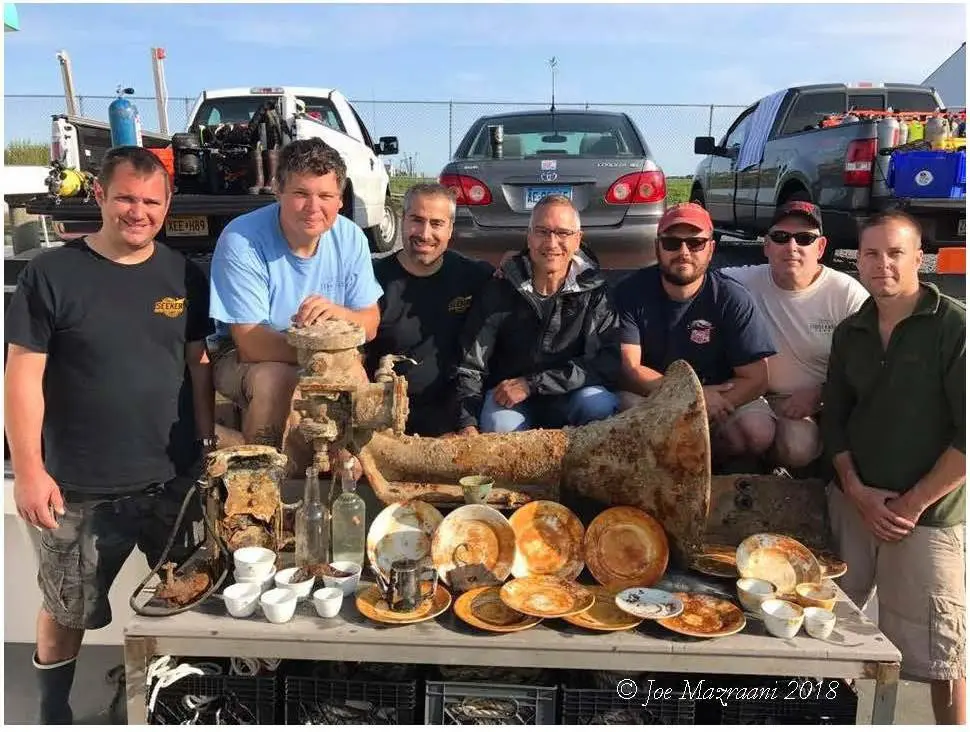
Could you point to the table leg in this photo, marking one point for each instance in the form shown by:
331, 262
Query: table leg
137, 657
884, 701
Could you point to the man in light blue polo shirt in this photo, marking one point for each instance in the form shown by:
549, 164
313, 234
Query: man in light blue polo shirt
294, 262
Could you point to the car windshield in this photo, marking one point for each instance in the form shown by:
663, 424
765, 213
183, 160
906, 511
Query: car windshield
234, 110
562, 134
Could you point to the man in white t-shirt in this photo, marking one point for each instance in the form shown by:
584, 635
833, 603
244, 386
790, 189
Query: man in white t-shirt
802, 301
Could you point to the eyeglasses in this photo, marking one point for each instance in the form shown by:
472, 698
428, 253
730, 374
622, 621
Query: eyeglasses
802, 238
543, 233
674, 243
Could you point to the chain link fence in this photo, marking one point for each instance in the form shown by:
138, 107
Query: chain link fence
428, 131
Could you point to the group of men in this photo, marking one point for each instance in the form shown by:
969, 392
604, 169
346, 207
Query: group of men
796, 361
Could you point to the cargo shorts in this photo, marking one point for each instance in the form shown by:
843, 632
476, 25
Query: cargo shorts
921, 585
80, 559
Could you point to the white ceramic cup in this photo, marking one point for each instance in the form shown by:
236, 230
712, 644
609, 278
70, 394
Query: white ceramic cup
252, 563
347, 584
278, 605
328, 601
752, 592
265, 583
241, 599
819, 622
781, 618
302, 589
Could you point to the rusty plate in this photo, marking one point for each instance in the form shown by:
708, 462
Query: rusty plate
483, 608
626, 547
372, 606
830, 564
473, 547
717, 560
402, 531
705, 616
546, 596
778, 559
604, 615
548, 541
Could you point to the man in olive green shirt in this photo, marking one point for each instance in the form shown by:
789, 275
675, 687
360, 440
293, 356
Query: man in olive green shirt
894, 425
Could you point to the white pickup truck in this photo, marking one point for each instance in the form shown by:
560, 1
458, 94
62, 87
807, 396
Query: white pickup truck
196, 219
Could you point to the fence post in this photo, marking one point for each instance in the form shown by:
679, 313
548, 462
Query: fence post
710, 122
451, 115
80, 105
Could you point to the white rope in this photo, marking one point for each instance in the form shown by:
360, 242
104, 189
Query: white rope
252, 666
162, 673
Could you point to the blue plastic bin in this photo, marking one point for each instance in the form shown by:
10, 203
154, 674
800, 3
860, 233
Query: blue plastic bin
928, 174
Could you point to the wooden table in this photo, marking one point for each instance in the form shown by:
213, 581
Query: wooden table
856, 649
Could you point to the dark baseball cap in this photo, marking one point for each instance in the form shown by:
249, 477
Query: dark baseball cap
804, 209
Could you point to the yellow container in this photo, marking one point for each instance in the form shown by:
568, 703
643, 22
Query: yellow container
950, 143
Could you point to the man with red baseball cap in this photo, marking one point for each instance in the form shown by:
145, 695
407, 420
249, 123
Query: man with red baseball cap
680, 310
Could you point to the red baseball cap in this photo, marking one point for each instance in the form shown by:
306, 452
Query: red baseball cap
691, 214
802, 209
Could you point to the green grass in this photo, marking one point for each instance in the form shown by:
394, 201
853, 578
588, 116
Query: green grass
400, 184
25, 152
678, 190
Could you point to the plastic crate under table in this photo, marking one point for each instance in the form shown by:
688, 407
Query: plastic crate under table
480, 702
339, 701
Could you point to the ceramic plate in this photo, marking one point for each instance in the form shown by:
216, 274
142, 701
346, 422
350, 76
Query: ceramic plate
548, 541
717, 560
372, 606
778, 559
647, 603
473, 547
705, 616
830, 564
402, 531
483, 608
546, 597
604, 615
626, 547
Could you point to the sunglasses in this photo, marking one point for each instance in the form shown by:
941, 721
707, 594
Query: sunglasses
674, 243
802, 238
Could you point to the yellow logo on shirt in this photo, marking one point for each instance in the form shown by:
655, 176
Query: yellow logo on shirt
170, 307
460, 304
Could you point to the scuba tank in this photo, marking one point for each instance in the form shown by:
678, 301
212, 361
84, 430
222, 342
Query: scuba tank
915, 130
887, 138
936, 130
903, 132
124, 120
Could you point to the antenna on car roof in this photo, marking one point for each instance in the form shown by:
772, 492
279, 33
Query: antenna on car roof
553, 63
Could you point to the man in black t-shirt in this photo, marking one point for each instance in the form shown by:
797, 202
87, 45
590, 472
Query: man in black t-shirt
427, 292
680, 309
100, 333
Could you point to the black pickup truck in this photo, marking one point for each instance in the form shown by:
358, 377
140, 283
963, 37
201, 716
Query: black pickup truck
838, 168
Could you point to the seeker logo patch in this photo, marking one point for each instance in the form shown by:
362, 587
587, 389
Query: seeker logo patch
170, 307
460, 304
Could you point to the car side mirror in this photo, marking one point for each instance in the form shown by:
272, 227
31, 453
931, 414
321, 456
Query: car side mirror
705, 146
386, 146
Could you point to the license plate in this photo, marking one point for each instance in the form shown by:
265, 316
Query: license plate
187, 226
962, 227
535, 194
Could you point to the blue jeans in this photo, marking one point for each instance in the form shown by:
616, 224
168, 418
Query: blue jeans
584, 405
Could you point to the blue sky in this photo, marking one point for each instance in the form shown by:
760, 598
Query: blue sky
627, 54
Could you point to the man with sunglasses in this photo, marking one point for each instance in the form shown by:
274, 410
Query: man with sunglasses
540, 344
679, 309
801, 302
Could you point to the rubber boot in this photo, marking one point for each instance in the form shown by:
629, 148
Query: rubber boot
271, 161
256, 171
55, 681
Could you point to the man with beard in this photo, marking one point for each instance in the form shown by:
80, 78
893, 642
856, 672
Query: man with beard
679, 309
100, 333
894, 426
294, 262
540, 347
427, 293
802, 302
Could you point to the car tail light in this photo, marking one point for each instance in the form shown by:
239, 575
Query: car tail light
858, 162
470, 191
647, 187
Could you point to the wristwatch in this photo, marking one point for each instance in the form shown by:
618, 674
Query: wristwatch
209, 443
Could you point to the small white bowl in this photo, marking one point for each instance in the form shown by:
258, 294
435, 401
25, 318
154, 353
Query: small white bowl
302, 589
252, 563
328, 601
265, 583
782, 619
347, 584
752, 592
819, 622
278, 605
241, 599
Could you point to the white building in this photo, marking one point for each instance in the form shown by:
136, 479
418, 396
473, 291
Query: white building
950, 79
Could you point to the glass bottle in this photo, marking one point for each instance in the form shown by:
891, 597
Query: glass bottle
348, 519
312, 524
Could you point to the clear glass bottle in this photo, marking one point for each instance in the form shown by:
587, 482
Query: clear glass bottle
312, 524
348, 519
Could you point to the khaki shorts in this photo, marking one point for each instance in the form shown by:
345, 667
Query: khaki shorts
231, 377
921, 582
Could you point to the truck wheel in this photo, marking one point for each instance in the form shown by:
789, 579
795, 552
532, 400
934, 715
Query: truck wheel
799, 194
383, 237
